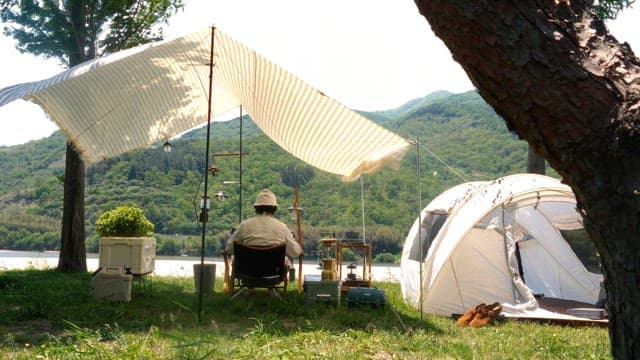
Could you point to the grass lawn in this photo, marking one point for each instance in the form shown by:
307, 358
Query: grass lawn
49, 315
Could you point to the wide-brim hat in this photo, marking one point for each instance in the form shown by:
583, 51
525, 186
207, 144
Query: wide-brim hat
266, 198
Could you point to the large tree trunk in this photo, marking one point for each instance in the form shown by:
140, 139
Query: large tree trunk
73, 256
567, 87
535, 162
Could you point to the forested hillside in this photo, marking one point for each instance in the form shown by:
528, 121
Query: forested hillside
461, 139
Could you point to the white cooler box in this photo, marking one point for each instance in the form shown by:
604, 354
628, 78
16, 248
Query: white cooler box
137, 253
112, 284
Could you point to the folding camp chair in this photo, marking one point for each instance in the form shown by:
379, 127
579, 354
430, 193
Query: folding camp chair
258, 267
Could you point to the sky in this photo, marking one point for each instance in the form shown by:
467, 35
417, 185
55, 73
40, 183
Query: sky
367, 54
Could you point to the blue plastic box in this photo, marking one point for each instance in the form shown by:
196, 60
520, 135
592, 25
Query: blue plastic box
359, 296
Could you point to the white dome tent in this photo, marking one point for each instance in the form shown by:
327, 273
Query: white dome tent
502, 240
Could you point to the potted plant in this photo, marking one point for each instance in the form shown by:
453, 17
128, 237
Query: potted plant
126, 240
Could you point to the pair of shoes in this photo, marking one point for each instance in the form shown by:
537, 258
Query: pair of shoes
480, 315
466, 318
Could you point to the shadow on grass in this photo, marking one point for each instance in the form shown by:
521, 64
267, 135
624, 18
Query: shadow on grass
36, 303
291, 313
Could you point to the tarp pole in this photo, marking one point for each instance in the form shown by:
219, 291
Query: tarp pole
364, 236
296, 208
419, 189
206, 175
240, 177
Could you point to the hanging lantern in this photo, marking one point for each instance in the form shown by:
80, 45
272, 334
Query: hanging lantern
167, 147
221, 195
294, 212
205, 203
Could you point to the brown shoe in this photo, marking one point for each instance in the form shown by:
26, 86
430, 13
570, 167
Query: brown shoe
481, 318
486, 315
494, 310
466, 318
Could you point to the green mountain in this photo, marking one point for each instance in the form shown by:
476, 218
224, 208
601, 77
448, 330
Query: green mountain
460, 139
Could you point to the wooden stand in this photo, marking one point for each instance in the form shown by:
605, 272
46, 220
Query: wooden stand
364, 250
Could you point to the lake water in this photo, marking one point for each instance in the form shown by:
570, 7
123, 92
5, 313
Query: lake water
172, 265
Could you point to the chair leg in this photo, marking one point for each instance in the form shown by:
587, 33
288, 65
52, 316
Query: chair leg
238, 293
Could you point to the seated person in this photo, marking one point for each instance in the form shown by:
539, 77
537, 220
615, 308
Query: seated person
265, 230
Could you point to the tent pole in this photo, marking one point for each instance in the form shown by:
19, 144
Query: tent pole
206, 175
296, 208
419, 188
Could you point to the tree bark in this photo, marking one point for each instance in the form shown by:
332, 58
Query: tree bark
73, 256
535, 162
572, 91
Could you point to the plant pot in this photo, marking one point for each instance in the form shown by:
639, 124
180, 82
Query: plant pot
208, 275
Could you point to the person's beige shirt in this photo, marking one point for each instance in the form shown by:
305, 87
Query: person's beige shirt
264, 230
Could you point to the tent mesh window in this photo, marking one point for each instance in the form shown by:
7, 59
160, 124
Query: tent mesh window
431, 225
584, 248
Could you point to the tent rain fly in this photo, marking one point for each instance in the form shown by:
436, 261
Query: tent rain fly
502, 241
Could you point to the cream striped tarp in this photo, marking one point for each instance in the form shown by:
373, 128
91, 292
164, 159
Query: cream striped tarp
147, 94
